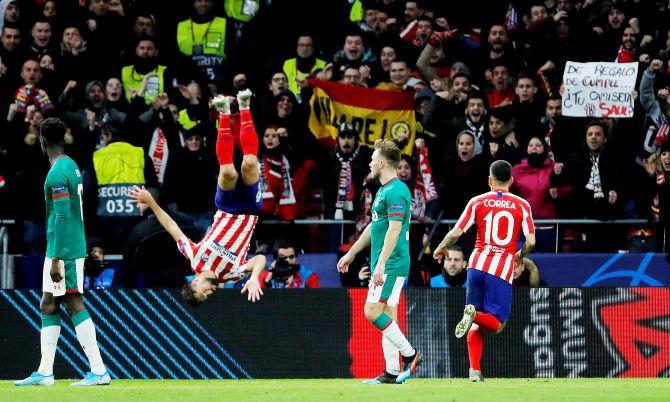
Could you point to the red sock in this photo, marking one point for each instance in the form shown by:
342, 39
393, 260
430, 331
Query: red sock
224, 141
475, 347
487, 321
248, 136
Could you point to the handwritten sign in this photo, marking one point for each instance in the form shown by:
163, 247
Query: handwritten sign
599, 89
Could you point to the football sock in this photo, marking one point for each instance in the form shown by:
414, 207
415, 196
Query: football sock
48, 341
475, 346
83, 326
392, 332
391, 356
487, 321
224, 141
248, 136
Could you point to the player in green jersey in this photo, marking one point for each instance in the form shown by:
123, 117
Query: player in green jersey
63, 272
388, 238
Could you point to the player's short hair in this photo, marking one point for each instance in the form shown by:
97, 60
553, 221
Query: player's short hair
53, 130
501, 171
188, 295
389, 151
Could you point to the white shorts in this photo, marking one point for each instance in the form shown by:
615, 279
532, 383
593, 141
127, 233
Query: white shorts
73, 277
388, 293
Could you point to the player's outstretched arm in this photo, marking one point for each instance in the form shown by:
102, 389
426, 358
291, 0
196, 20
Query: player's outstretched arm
253, 285
143, 196
449, 240
360, 244
528, 246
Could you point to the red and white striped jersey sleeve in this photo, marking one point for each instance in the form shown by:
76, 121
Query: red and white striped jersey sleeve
467, 218
527, 224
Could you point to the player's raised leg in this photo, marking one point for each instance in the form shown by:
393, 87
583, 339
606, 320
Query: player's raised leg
225, 146
49, 335
248, 140
86, 334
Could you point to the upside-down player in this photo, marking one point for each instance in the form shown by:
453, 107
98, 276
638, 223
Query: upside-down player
499, 217
63, 272
220, 257
388, 236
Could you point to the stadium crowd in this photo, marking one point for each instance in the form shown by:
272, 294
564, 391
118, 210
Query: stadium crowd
133, 81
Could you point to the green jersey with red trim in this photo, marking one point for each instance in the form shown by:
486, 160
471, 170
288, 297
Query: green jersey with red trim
392, 203
63, 189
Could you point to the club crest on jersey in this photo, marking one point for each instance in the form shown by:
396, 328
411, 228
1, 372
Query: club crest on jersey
223, 252
375, 217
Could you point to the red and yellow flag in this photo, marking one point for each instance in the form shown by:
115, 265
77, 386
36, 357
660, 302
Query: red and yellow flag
374, 113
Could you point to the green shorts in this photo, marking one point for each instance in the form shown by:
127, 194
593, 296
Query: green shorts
388, 293
73, 277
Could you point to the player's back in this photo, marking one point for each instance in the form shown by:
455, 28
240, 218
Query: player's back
64, 185
500, 217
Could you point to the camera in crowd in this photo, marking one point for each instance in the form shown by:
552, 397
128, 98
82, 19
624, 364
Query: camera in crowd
282, 270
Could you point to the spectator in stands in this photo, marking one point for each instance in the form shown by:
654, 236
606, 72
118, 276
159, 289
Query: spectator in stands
424, 197
454, 272
595, 174
351, 76
532, 180
96, 273
114, 95
502, 93
496, 51
462, 176
439, 118
345, 167
74, 63
41, 45
432, 62
285, 271
10, 63
400, 75
30, 95
456, 94
353, 54
527, 110
10, 12
502, 142
304, 64
526, 274
203, 39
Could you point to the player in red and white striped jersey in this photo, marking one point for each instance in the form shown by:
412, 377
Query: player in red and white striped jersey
500, 217
220, 257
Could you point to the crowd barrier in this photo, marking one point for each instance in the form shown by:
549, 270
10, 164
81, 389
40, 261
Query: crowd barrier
553, 332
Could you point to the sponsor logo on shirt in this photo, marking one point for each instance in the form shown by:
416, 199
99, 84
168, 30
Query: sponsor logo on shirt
223, 252
375, 217
396, 206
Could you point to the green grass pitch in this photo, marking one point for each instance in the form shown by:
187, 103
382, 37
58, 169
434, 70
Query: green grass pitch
498, 390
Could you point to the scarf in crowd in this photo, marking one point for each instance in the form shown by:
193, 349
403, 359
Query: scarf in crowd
277, 175
662, 133
158, 152
345, 185
594, 183
625, 55
424, 180
28, 95
365, 213
479, 135
511, 18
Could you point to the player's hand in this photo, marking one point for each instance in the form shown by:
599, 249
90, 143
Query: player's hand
439, 254
518, 259
344, 262
55, 271
253, 289
378, 277
140, 195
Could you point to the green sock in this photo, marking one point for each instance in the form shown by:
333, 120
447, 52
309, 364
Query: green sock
80, 317
382, 321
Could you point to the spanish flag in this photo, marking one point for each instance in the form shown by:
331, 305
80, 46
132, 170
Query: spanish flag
374, 113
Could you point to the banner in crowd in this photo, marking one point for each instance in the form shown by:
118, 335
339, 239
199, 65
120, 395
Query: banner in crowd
599, 89
374, 113
149, 333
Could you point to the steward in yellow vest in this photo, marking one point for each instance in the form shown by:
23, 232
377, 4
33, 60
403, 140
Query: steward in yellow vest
145, 77
303, 65
203, 39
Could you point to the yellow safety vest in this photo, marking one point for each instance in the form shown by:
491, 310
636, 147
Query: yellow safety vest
357, 13
210, 35
133, 79
185, 120
291, 70
119, 163
241, 10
